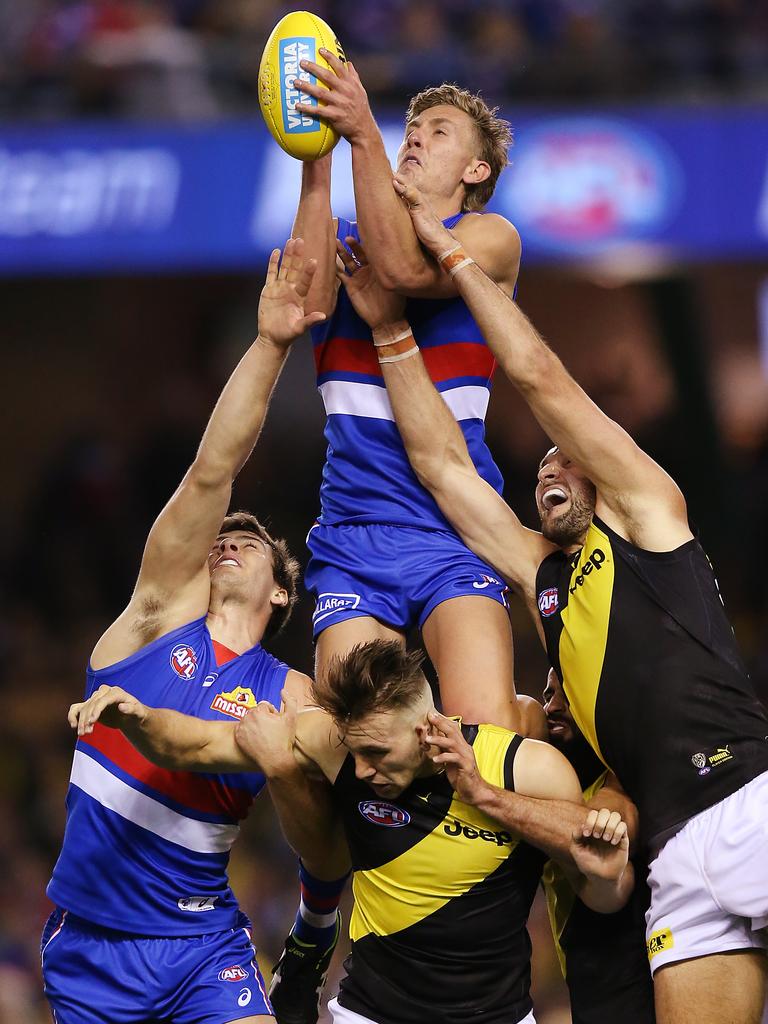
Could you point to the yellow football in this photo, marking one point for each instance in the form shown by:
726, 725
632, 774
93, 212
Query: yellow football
296, 37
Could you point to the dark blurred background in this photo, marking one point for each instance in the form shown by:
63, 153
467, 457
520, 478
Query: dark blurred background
139, 194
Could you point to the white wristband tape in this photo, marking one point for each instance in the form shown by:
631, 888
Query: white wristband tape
393, 341
459, 266
448, 252
403, 355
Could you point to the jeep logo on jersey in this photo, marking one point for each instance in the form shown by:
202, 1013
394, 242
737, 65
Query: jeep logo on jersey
197, 904
595, 561
380, 813
330, 604
184, 661
237, 703
234, 973
548, 601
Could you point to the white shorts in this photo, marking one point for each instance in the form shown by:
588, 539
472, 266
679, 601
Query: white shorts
341, 1015
709, 882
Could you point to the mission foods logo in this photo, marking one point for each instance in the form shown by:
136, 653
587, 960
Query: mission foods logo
589, 180
237, 703
380, 813
184, 661
292, 52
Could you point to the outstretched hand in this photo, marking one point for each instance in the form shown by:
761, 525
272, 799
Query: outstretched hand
282, 313
426, 223
373, 303
111, 705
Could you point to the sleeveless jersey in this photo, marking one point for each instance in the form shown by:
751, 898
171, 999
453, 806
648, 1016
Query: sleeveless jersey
602, 956
655, 680
367, 477
442, 895
146, 849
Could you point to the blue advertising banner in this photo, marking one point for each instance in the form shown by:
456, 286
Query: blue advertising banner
85, 198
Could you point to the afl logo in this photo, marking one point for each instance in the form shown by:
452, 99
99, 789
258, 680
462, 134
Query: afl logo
548, 601
383, 814
184, 661
234, 973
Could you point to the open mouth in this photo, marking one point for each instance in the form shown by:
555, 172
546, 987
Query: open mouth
553, 497
226, 561
412, 160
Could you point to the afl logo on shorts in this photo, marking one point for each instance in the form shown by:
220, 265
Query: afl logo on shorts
234, 973
379, 813
184, 661
548, 601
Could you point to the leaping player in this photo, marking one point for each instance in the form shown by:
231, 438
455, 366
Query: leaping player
383, 556
146, 926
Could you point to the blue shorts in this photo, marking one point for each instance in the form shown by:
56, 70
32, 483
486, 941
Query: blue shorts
95, 975
397, 574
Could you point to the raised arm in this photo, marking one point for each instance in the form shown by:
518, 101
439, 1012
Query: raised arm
314, 223
434, 441
174, 585
635, 495
400, 261
545, 809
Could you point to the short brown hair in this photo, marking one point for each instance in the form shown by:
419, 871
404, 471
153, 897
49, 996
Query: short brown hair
378, 676
285, 568
494, 134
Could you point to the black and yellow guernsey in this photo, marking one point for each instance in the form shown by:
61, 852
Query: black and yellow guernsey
442, 896
602, 956
655, 680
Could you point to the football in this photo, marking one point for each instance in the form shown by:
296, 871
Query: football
296, 37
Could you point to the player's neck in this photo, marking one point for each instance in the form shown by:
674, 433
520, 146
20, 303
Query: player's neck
236, 627
446, 206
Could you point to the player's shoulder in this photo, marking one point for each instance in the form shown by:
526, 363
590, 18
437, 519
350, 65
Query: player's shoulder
490, 225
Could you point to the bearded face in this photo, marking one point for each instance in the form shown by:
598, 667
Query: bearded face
565, 499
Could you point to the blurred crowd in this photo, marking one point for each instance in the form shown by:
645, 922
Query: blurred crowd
192, 59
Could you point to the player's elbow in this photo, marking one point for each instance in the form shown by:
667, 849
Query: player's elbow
403, 276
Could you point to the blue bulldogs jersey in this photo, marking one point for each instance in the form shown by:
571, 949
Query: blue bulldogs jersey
146, 849
367, 477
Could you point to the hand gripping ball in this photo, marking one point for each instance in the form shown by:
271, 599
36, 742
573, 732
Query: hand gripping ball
296, 37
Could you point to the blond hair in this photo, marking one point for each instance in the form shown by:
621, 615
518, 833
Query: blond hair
494, 134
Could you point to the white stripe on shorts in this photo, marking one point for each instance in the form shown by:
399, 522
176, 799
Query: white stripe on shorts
341, 1015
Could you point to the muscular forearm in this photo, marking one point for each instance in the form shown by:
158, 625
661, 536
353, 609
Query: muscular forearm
184, 743
310, 823
314, 223
385, 227
238, 417
430, 432
545, 824
550, 825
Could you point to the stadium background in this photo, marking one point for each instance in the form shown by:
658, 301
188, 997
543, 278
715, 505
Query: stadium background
139, 194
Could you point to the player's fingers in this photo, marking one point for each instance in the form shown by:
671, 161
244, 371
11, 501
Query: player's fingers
310, 320
438, 739
348, 261
305, 271
407, 191
619, 833
600, 822
589, 823
358, 250
614, 818
444, 724
74, 713
447, 757
272, 267
321, 73
339, 66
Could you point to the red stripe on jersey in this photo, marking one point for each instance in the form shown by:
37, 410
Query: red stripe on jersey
443, 362
186, 788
